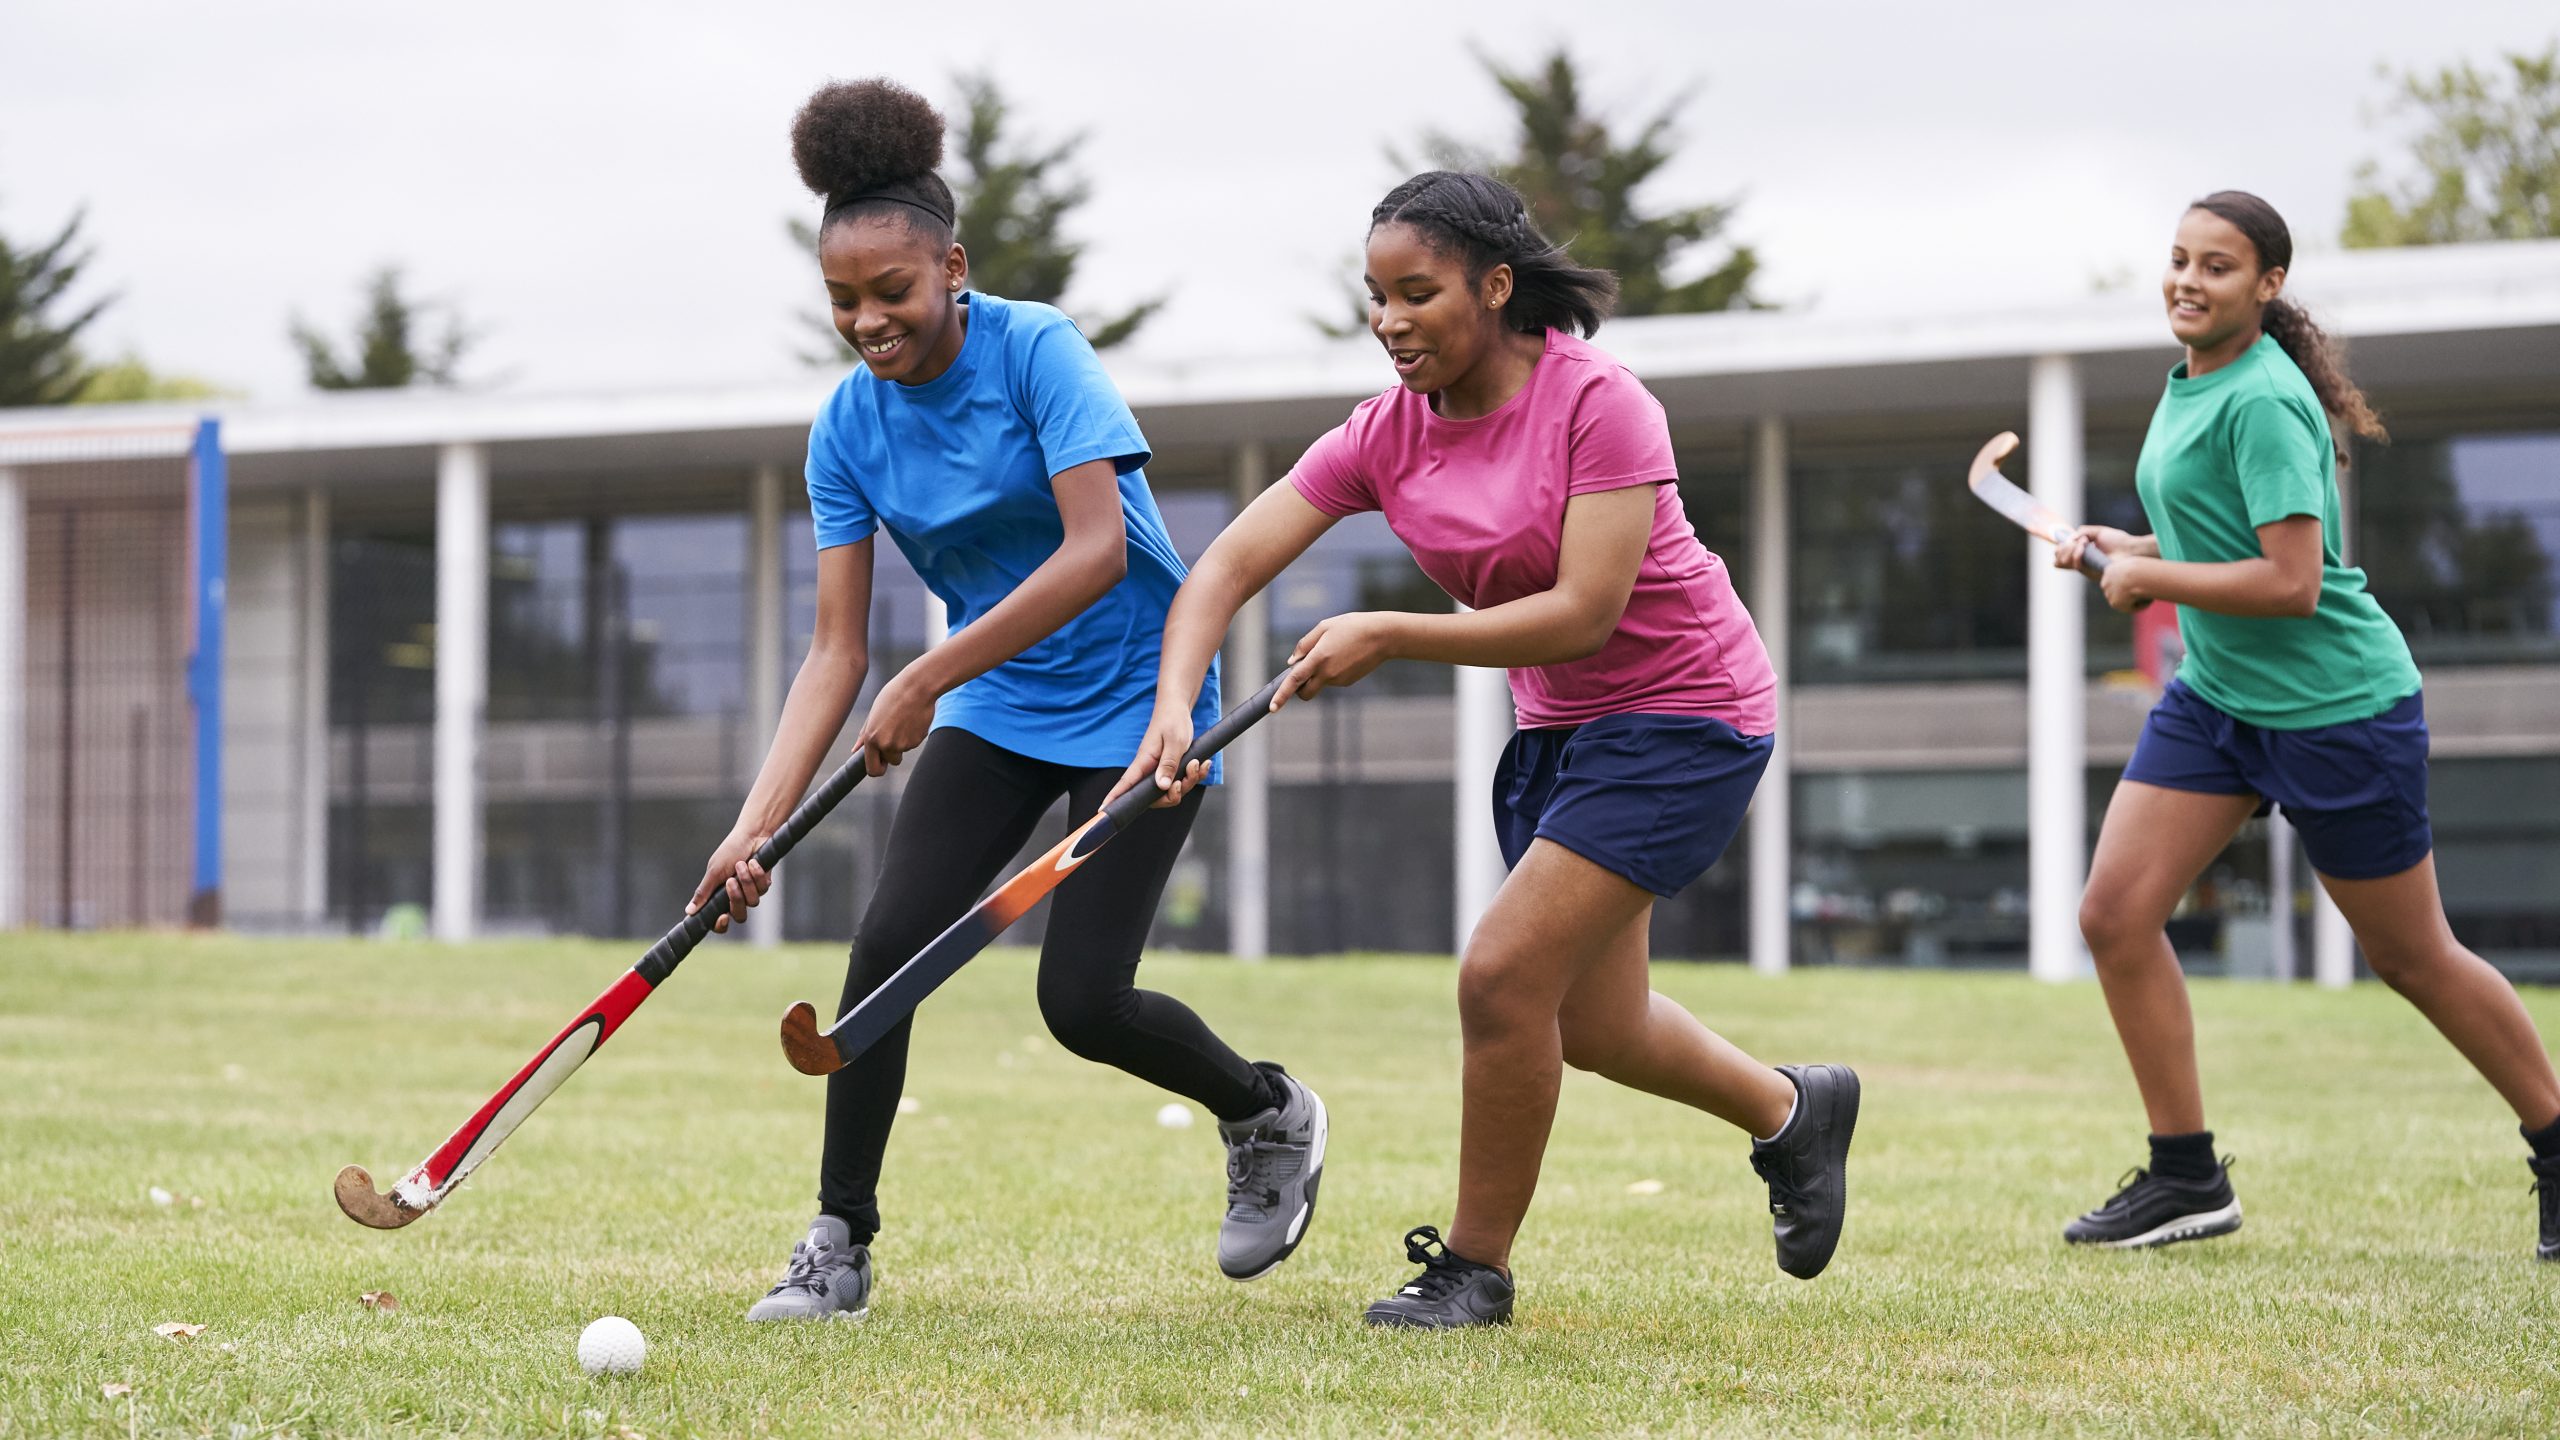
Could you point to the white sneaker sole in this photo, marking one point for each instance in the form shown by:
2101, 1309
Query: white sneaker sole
2202, 1225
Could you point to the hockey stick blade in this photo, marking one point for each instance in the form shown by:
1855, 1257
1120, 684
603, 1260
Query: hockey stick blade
813, 1051
435, 1177
2022, 509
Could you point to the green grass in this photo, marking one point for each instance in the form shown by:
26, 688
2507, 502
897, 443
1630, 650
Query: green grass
1047, 1267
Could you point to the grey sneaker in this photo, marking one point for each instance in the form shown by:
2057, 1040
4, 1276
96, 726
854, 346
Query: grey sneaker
1807, 1166
829, 1278
1274, 1161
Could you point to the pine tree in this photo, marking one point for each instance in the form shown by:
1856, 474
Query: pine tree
390, 350
40, 362
1582, 183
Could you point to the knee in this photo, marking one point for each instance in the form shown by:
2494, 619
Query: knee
1084, 1019
1497, 995
2402, 966
2110, 929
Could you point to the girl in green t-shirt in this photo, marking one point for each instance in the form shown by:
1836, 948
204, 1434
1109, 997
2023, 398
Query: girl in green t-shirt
2296, 690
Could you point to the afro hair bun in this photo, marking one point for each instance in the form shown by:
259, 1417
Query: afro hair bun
859, 135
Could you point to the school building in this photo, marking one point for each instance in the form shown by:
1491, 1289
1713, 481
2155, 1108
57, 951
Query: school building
491, 664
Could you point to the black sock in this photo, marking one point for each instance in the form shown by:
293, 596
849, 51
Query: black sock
2184, 1157
2545, 1141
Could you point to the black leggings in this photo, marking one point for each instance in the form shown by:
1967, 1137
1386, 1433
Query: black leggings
968, 808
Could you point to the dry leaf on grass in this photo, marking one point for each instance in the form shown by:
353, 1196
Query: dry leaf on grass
379, 1300
115, 1389
177, 1330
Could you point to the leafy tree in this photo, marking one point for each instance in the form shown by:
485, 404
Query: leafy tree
1015, 198
1582, 182
126, 380
40, 360
390, 350
2486, 158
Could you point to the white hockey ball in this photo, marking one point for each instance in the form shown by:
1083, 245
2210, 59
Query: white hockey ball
1174, 1116
611, 1346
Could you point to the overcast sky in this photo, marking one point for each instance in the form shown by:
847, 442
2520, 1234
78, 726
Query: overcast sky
603, 187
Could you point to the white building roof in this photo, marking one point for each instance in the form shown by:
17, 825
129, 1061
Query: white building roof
2468, 319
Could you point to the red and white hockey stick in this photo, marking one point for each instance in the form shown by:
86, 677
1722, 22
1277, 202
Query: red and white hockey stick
813, 1051
425, 1186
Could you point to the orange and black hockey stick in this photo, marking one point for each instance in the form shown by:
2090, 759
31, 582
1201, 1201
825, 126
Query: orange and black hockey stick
823, 1052
425, 1186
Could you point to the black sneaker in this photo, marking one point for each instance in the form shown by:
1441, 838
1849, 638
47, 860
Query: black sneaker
1807, 1167
1451, 1292
2165, 1209
2546, 1188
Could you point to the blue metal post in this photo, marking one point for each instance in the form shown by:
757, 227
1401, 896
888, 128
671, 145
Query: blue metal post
209, 503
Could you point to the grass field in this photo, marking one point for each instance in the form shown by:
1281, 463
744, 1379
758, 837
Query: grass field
1047, 1267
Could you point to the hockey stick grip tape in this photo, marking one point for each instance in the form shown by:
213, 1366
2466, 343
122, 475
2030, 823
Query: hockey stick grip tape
1207, 743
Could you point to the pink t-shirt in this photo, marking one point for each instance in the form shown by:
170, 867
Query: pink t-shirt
1480, 503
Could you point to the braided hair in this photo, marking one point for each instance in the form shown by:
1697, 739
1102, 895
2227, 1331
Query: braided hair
1485, 223
2320, 357
871, 147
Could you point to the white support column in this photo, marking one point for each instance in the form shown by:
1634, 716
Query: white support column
766, 603
2283, 964
2057, 687
2333, 944
13, 700
1248, 769
312, 727
1484, 722
462, 683
1773, 804
937, 620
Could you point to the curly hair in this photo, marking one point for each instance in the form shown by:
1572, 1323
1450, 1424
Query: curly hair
2321, 358
871, 147
1485, 223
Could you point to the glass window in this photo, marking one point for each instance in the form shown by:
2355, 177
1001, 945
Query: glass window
1911, 867
1900, 574
2456, 535
2497, 826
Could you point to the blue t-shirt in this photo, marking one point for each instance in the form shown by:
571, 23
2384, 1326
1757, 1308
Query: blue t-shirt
958, 469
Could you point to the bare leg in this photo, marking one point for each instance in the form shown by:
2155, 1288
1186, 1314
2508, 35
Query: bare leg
2151, 847
1555, 920
2399, 920
1614, 1025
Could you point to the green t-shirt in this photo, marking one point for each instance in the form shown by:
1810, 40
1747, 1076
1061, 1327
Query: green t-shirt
2245, 446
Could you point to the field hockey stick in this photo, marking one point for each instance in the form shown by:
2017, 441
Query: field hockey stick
823, 1052
2023, 510
424, 1187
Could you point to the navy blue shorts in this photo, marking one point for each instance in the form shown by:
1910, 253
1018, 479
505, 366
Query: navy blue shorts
1654, 798
2357, 792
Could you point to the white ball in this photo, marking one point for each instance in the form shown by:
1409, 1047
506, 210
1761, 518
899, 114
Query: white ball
1174, 1117
611, 1346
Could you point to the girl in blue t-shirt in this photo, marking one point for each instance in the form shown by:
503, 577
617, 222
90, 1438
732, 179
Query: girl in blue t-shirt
983, 437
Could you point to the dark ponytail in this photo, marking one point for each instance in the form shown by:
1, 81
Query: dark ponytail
2321, 359
871, 148
1485, 223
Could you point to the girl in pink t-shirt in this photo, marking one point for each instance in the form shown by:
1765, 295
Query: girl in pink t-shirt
1532, 478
